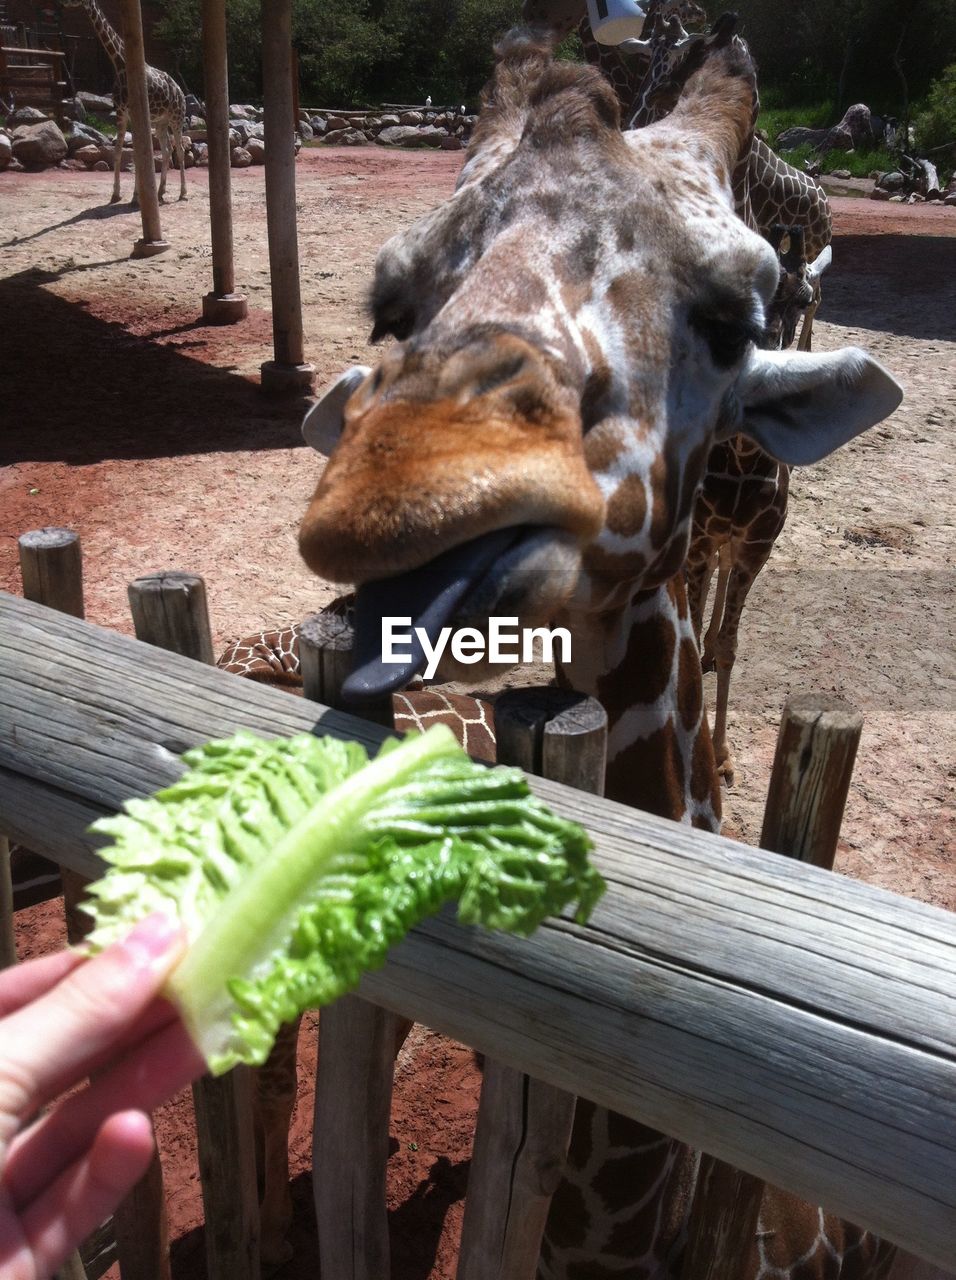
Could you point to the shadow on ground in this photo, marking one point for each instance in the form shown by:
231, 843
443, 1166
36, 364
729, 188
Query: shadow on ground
81, 389
904, 285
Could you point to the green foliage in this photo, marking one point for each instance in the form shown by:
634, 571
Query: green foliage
355, 52
936, 122
860, 163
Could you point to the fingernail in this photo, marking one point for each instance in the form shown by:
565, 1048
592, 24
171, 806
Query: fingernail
151, 939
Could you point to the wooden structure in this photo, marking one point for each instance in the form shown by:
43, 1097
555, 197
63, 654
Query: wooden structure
692, 1001
33, 78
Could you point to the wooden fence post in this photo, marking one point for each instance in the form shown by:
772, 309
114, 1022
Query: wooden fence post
51, 566
809, 783
169, 611
524, 1125
358, 1042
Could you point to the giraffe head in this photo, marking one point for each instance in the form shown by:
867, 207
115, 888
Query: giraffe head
798, 288
577, 325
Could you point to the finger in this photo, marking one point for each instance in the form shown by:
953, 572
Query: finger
89, 1190
21, 983
152, 1072
50, 1043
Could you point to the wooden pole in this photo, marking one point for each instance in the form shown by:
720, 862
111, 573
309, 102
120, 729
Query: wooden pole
169, 611
223, 305
809, 783
524, 1125
288, 372
131, 24
51, 566
8, 937
357, 1046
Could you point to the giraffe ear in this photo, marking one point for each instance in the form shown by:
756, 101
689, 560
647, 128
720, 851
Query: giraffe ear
800, 406
323, 424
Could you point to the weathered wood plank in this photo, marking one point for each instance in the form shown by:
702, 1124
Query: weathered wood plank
794, 1023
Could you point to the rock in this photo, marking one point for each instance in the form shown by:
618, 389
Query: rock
38, 146
400, 135
240, 159
239, 112
893, 181
346, 138
337, 122
101, 167
390, 119
306, 132
201, 152
450, 144
88, 155
96, 104
950, 198
75, 165
841, 173
73, 109
257, 149
194, 108
26, 115
189, 160
319, 124
411, 118
798, 136
6, 150
431, 135
879, 194
916, 198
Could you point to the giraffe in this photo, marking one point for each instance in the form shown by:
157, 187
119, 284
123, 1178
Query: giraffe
578, 325
167, 103
741, 507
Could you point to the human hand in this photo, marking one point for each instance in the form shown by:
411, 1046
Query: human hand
61, 1018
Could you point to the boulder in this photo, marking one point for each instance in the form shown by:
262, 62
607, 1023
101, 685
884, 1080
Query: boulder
401, 135
101, 167
450, 144
240, 158
257, 149
26, 115
239, 112
390, 118
337, 122
950, 198
96, 104
893, 181
841, 173
879, 194
346, 138
431, 135
6, 150
306, 132
38, 146
798, 136
88, 155
411, 117
73, 109
319, 124
194, 108
201, 152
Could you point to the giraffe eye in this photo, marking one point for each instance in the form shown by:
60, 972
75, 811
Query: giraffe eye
727, 333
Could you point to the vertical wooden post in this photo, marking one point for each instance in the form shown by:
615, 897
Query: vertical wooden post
524, 1125
8, 938
357, 1046
169, 611
131, 26
51, 566
223, 305
288, 371
809, 783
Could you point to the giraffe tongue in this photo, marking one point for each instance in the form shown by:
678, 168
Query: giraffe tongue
430, 595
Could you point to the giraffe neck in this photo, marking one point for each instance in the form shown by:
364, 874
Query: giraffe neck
109, 38
641, 662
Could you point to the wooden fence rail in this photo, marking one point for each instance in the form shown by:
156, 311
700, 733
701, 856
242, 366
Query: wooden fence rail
791, 1022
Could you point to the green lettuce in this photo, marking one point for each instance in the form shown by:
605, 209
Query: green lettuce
294, 864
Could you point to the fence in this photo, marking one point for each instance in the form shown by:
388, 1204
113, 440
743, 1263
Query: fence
796, 1025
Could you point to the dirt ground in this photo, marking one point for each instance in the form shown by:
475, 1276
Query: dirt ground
130, 421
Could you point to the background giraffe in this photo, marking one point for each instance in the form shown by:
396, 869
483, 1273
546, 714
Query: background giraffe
167, 103
579, 285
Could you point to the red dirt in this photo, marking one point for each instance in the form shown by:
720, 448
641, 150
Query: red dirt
143, 429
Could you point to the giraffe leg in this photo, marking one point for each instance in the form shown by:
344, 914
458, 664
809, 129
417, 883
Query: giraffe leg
739, 582
708, 650
806, 329
164, 147
178, 131
276, 1083
698, 577
118, 157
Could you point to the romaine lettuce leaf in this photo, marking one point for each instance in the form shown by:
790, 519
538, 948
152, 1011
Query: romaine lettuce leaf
294, 865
